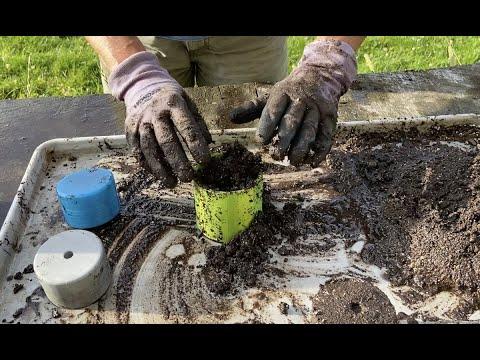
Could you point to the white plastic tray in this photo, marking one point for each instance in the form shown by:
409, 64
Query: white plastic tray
35, 215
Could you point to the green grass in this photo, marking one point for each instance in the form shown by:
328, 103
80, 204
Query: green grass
398, 53
32, 66
66, 66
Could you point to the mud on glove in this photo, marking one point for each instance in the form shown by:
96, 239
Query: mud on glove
300, 112
157, 109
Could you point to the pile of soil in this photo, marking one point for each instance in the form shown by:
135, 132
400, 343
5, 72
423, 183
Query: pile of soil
352, 301
418, 200
232, 167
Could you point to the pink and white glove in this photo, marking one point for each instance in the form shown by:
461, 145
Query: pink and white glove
157, 110
300, 112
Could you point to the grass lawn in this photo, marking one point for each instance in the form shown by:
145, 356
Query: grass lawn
66, 66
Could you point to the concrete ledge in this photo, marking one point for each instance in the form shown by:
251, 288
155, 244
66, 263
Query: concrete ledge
372, 96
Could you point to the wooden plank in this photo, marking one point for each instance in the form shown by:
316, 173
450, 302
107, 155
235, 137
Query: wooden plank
414, 93
372, 96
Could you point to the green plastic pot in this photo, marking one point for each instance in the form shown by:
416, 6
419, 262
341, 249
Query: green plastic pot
221, 215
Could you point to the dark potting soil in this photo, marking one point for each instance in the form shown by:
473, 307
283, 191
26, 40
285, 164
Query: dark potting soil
418, 200
352, 301
236, 168
28, 269
17, 288
18, 276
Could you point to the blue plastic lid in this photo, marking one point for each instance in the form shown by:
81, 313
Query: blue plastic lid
88, 198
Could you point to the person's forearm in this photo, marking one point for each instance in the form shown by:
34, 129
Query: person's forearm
112, 50
353, 41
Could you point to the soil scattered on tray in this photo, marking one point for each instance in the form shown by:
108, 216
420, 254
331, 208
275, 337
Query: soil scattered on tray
418, 199
283, 307
28, 269
352, 301
17, 288
18, 276
239, 263
56, 314
245, 256
413, 196
17, 313
142, 221
225, 270
404, 318
232, 167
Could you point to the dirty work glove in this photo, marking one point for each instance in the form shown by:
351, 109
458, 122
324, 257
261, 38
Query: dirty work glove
157, 112
300, 112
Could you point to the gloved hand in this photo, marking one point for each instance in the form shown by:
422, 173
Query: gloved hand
300, 112
157, 109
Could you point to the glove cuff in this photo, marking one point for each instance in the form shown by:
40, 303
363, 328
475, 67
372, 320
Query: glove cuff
137, 76
337, 59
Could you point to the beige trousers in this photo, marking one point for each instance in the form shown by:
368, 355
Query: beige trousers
219, 60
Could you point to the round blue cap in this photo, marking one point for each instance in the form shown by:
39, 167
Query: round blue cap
88, 198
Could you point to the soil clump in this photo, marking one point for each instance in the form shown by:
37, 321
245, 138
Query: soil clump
352, 301
232, 167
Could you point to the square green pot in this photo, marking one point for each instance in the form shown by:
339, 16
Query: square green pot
221, 215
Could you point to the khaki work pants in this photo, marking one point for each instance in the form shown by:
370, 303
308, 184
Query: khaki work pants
219, 60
